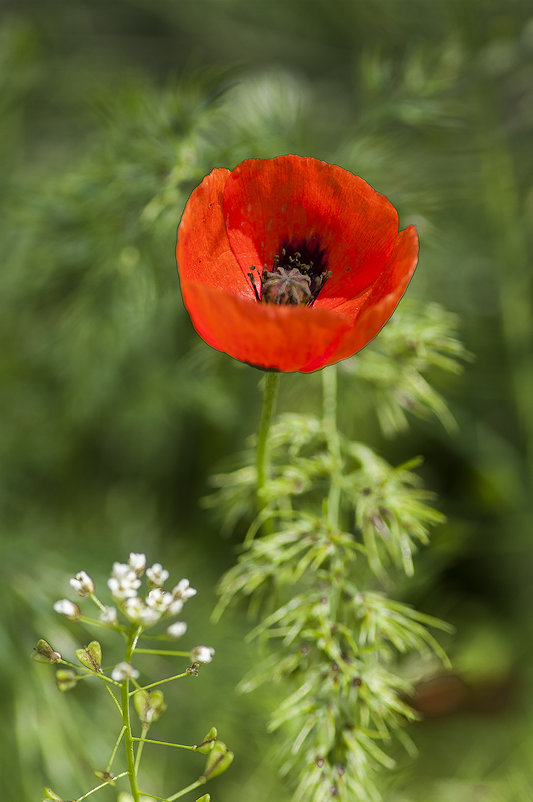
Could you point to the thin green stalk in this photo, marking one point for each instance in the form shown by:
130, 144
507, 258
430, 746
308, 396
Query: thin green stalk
159, 682
102, 785
163, 652
190, 787
164, 743
267, 412
128, 740
114, 752
329, 391
141, 741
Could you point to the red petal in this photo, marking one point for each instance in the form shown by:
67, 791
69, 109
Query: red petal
293, 199
203, 250
285, 338
382, 299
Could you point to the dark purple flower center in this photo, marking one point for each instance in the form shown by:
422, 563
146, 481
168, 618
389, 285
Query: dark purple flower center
297, 275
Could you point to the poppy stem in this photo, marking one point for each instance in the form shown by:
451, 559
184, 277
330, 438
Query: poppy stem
329, 392
262, 458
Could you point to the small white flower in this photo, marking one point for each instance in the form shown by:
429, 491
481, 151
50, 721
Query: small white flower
82, 584
67, 608
136, 610
120, 570
157, 575
122, 589
108, 615
123, 582
124, 671
202, 654
159, 600
177, 629
175, 607
137, 562
183, 590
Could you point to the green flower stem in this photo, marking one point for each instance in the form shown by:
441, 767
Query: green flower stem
159, 682
269, 403
102, 785
142, 741
115, 700
162, 652
190, 787
114, 752
163, 743
128, 739
95, 622
329, 391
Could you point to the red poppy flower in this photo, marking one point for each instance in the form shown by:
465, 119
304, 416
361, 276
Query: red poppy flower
290, 263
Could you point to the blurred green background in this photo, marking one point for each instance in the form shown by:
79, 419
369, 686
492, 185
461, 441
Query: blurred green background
115, 414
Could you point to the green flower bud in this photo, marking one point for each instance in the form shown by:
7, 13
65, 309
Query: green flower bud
66, 679
149, 705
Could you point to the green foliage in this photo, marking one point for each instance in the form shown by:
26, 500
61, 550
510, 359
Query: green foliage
395, 371
333, 640
114, 414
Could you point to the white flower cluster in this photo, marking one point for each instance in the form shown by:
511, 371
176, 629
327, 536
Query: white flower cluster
124, 584
145, 611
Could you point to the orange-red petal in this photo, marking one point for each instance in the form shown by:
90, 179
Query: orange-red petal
286, 338
382, 299
203, 251
292, 199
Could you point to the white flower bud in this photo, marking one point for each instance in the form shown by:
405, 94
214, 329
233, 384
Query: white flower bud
202, 654
137, 562
157, 575
120, 570
67, 608
175, 607
158, 599
183, 590
177, 629
108, 615
136, 610
123, 582
82, 584
124, 671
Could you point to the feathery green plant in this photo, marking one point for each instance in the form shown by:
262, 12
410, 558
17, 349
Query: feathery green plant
338, 521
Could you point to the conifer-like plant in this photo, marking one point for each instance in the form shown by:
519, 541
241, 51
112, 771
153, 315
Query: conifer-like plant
131, 616
332, 520
335, 524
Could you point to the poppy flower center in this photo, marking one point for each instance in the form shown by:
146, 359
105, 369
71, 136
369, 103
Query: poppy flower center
298, 274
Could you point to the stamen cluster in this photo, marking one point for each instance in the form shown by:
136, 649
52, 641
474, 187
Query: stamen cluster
295, 283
